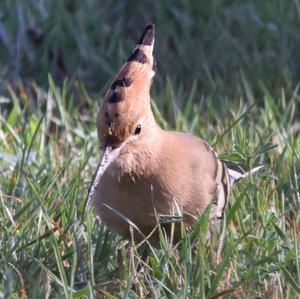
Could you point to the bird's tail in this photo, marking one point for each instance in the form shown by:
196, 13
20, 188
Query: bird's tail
236, 173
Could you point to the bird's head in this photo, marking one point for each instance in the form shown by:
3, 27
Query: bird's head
125, 117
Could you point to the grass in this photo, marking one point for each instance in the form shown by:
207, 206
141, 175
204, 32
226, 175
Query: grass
247, 108
48, 156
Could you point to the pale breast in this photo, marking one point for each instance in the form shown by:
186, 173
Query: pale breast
138, 200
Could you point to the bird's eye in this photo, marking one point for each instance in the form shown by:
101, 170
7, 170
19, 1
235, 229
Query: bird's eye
138, 130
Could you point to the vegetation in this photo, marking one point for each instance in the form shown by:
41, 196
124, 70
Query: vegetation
228, 71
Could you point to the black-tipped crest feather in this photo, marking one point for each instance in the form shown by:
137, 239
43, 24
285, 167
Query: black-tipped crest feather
138, 56
125, 82
147, 36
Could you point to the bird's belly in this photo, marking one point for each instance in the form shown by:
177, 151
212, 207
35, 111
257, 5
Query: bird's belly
131, 201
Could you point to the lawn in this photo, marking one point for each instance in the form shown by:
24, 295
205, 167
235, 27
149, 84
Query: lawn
228, 71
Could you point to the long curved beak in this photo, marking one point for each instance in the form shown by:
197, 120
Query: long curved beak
109, 155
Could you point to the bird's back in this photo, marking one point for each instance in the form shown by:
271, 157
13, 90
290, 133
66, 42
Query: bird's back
190, 161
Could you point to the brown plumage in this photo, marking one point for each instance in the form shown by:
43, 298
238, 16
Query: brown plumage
148, 173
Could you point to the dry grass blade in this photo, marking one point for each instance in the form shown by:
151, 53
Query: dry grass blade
23, 293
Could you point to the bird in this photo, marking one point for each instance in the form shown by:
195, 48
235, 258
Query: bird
149, 176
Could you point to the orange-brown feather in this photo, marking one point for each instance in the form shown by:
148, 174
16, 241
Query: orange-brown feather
117, 117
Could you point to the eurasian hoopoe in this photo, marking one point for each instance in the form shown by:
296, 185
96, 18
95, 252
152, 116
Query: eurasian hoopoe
146, 173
